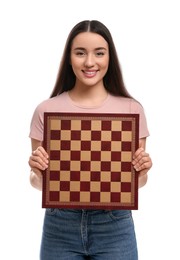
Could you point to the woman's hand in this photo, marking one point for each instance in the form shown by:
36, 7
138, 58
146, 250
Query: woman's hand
142, 162
38, 161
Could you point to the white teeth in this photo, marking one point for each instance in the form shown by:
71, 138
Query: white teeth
90, 72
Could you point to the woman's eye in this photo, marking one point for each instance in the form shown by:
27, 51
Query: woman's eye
99, 53
80, 53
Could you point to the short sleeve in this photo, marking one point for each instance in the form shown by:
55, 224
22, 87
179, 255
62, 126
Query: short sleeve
37, 124
136, 107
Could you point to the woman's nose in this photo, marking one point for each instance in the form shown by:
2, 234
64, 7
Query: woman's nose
89, 62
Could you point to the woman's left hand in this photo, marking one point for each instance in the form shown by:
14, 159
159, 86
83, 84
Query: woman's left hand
142, 161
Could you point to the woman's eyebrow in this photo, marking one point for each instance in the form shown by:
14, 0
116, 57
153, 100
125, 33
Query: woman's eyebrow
96, 49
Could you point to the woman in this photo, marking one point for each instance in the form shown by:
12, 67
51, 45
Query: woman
89, 81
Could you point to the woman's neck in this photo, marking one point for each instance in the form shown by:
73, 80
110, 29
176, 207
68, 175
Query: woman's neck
88, 96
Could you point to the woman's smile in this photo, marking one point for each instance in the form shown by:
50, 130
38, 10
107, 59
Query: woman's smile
90, 73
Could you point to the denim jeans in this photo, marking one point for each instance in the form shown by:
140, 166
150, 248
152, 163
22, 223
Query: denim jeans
88, 234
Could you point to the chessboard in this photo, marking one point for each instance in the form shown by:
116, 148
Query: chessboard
90, 161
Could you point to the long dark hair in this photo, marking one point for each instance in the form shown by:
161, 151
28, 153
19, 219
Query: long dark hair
113, 80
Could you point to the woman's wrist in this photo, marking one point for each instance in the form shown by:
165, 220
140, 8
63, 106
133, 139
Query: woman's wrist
36, 180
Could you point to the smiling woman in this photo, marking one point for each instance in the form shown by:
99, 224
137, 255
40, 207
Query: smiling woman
90, 55
89, 61
89, 81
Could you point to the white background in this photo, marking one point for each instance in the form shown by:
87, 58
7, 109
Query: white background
32, 38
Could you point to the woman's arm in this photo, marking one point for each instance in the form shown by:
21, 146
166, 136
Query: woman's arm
142, 162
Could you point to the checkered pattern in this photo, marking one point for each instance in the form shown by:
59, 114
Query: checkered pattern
90, 161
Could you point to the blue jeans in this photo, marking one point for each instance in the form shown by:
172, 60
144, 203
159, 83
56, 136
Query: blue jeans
88, 234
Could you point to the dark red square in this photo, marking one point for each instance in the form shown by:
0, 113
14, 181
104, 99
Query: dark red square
126, 125
54, 195
65, 124
55, 135
75, 155
85, 186
95, 196
106, 125
105, 146
95, 135
116, 136
86, 125
126, 166
85, 166
95, 176
105, 186
74, 196
54, 175
116, 156
64, 165
55, 155
115, 197
75, 135
126, 187
64, 185
75, 176
115, 176
95, 156
105, 166
85, 145
65, 145
126, 146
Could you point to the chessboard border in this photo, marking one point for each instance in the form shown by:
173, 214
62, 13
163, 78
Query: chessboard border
96, 205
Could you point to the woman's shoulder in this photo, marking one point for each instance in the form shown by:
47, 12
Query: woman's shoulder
50, 104
128, 102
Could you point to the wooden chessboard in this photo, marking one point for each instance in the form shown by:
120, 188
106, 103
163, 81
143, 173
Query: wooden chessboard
90, 161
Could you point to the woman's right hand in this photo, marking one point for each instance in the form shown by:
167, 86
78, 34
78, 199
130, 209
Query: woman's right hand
38, 162
39, 159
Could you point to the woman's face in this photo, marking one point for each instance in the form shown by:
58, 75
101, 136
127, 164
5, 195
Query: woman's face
89, 59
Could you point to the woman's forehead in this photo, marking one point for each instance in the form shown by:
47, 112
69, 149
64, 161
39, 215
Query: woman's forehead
89, 40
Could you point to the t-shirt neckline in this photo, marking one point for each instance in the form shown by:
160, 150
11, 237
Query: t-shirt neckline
86, 107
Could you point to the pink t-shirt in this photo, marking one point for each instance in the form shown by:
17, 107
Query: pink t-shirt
63, 103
